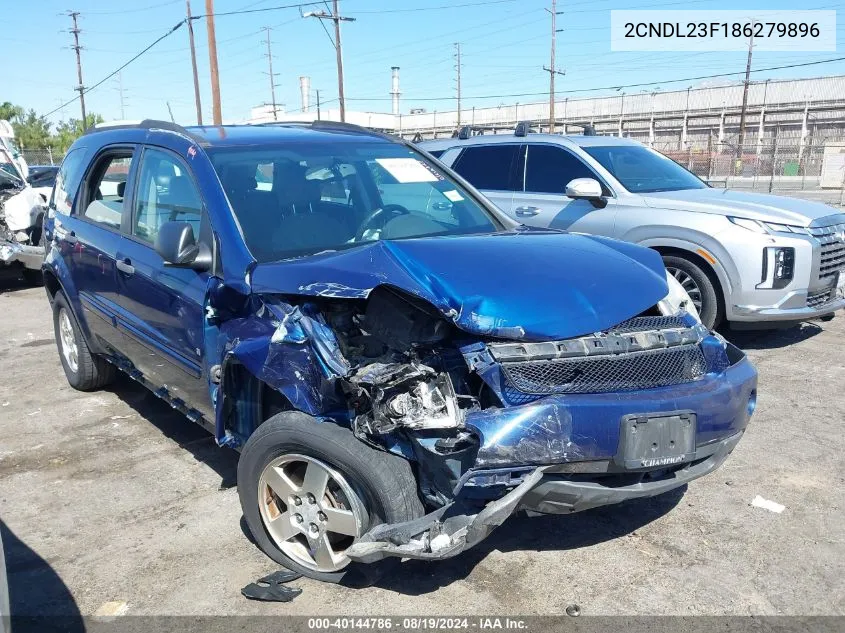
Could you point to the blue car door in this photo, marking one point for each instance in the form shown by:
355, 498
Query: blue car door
88, 240
161, 307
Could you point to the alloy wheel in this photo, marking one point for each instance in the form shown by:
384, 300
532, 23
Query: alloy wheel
310, 511
67, 341
688, 284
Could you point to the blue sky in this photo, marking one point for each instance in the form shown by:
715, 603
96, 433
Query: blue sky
504, 43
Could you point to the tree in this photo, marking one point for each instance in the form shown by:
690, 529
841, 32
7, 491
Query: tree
68, 131
32, 131
9, 111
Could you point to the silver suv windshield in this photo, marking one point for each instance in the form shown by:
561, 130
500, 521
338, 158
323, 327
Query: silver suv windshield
643, 170
299, 199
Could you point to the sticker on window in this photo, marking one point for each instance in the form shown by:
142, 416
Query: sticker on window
453, 196
407, 170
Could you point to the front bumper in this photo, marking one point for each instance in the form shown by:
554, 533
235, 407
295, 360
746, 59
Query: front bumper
450, 530
29, 256
792, 307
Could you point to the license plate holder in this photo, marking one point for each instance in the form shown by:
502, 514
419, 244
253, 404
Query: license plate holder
656, 439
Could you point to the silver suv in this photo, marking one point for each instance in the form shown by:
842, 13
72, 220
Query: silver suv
742, 257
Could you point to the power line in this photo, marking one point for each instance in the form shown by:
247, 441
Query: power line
117, 70
617, 86
443, 6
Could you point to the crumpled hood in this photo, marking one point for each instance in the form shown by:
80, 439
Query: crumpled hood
531, 285
755, 206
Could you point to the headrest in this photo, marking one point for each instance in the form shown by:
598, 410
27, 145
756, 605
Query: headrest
121, 189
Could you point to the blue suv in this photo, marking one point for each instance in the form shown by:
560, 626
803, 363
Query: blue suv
401, 366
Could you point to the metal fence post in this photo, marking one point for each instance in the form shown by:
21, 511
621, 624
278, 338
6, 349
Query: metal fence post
774, 158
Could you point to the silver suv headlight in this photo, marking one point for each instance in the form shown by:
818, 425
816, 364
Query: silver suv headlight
677, 300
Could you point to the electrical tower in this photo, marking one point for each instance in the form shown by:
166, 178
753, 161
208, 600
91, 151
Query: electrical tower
75, 31
552, 69
269, 56
458, 78
335, 17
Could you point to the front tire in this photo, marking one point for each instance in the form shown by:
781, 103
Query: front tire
699, 286
309, 488
84, 371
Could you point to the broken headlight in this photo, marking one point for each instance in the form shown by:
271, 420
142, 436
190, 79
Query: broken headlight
409, 396
677, 300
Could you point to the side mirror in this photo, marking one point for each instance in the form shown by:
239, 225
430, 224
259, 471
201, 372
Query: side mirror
177, 246
584, 189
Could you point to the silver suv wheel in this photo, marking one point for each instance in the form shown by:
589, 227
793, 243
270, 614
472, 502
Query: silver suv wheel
688, 284
67, 341
310, 511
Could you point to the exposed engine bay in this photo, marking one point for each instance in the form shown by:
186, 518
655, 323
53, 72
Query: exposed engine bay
21, 211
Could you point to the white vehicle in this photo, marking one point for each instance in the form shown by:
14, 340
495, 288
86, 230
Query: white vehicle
8, 143
22, 211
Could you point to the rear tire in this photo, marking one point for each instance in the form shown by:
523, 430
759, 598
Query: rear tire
697, 282
84, 371
382, 485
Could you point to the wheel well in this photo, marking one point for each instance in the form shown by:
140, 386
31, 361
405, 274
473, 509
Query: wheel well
249, 401
51, 284
703, 264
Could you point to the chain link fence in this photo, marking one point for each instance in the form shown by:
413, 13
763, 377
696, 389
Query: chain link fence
813, 169
42, 156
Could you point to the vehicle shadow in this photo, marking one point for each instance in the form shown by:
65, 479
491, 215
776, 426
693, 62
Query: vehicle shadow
521, 533
12, 282
772, 339
39, 600
178, 428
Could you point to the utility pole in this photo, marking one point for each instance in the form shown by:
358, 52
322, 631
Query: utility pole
216, 113
552, 69
318, 104
122, 96
269, 55
190, 21
80, 88
335, 17
744, 103
458, 68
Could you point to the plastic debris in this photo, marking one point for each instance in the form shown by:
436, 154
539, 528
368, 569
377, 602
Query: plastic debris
271, 588
573, 610
759, 502
112, 609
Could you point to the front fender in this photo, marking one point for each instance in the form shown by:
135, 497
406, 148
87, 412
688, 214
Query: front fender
724, 266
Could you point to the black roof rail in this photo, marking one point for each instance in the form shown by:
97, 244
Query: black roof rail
146, 124
523, 128
587, 129
464, 133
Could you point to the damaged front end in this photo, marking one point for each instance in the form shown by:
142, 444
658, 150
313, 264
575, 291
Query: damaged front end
20, 234
494, 425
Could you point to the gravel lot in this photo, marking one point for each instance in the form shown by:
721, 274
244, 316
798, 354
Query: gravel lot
112, 497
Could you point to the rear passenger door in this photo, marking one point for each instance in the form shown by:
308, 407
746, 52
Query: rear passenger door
493, 169
161, 308
88, 240
543, 203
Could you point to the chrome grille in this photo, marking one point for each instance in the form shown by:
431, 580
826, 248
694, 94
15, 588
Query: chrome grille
599, 374
832, 249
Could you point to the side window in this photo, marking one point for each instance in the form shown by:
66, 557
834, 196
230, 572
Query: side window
106, 187
550, 168
166, 193
67, 180
437, 153
489, 166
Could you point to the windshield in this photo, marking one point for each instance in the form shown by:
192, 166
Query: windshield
643, 170
300, 199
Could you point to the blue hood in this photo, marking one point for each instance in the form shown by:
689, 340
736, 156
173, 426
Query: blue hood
529, 285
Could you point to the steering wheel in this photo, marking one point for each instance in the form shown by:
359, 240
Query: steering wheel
383, 215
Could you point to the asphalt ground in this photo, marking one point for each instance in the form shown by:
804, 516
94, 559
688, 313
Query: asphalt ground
112, 503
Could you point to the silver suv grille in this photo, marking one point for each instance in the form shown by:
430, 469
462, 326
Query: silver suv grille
814, 300
832, 240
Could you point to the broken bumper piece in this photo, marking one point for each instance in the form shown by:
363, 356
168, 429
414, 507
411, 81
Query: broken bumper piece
448, 531
30, 256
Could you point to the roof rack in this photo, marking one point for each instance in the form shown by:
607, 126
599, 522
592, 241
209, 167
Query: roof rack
146, 124
523, 128
587, 128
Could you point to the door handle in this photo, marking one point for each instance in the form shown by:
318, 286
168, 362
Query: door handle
125, 266
527, 212
71, 238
